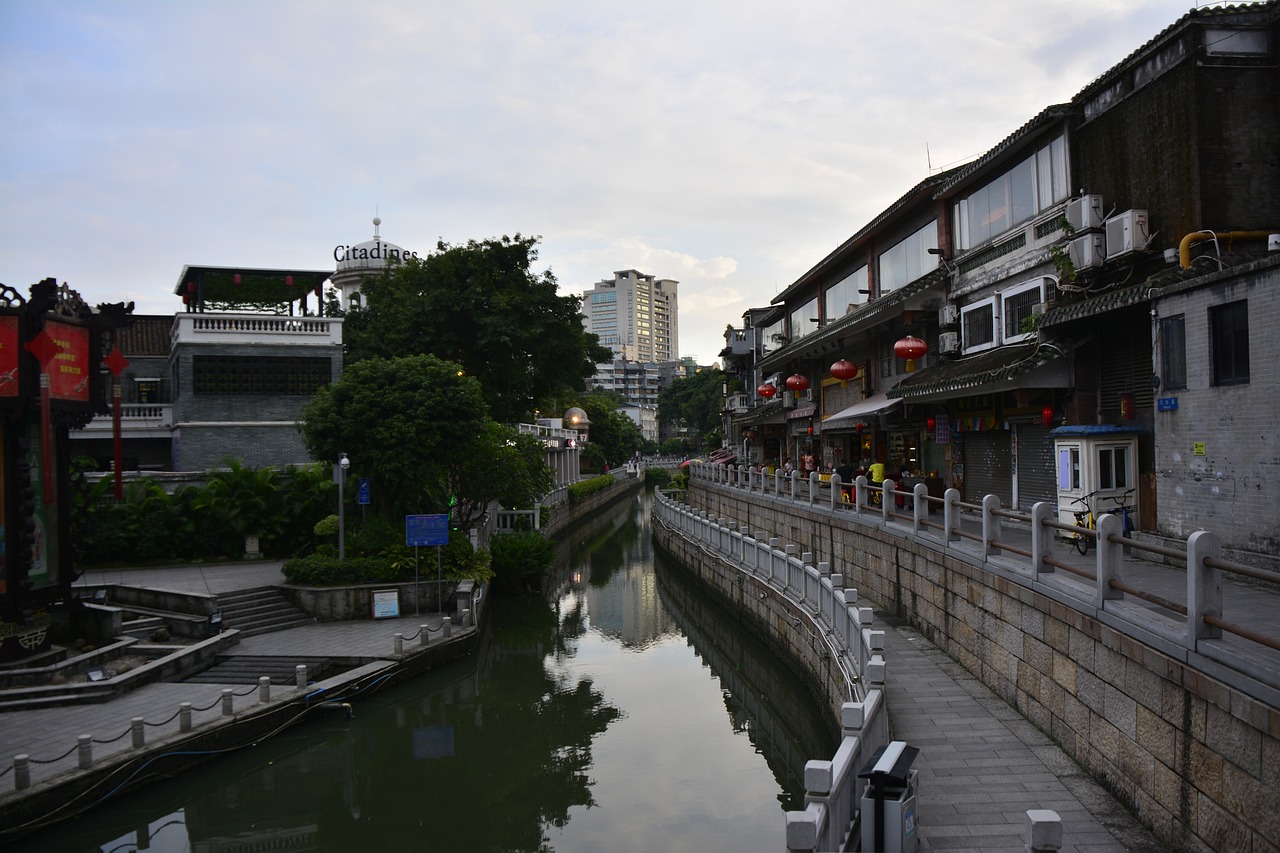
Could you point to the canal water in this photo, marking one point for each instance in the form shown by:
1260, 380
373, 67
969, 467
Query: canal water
622, 710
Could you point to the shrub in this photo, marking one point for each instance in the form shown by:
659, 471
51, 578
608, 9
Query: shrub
582, 490
322, 570
518, 559
657, 476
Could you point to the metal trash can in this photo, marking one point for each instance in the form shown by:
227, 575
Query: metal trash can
889, 819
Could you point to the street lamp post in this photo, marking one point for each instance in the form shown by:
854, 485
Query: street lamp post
343, 464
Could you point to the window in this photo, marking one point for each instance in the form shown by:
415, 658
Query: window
1032, 186
1019, 304
801, 320
1229, 341
978, 326
146, 390
845, 294
1069, 468
259, 375
1113, 467
1173, 352
909, 259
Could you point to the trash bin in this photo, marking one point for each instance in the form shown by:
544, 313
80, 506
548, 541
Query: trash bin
889, 802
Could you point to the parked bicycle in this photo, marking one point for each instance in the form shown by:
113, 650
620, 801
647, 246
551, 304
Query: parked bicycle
1084, 521
1122, 506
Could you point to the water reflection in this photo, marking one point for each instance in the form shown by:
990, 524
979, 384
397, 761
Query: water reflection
620, 710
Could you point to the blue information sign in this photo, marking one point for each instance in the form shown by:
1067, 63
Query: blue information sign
426, 529
1167, 404
363, 494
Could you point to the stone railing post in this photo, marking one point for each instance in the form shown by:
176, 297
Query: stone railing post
1204, 587
228, 700
138, 732
184, 717
950, 514
1044, 831
888, 491
1110, 559
84, 751
264, 689
990, 525
21, 772
920, 505
1041, 536
398, 644
859, 494
300, 676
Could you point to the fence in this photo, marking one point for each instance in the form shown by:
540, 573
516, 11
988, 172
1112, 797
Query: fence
833, 790
1193, 618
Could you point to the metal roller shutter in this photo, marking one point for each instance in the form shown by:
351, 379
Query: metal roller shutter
1037, 477
988, 466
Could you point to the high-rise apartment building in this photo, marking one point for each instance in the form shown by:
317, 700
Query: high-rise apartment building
634, 315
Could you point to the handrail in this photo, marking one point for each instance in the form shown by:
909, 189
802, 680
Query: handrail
1202, 613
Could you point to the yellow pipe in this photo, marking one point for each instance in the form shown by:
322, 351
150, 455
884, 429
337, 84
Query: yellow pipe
1184, 248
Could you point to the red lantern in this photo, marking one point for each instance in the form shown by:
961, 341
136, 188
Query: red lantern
288, 281
797, 383
930, 423
910, 348
766, 390
860, 426
810, 429
844, 370
318, 288
191, 287
235, 279
1046, 416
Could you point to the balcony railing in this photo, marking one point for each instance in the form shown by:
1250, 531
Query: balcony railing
136, 420
255, 328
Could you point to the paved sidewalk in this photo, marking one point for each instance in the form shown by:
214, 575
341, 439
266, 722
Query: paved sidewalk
982, 765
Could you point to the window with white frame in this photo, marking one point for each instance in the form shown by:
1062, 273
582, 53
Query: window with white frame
1018, 304
1113, 467
978, 326
909, 259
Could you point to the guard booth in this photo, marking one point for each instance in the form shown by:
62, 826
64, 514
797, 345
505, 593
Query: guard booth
1098, 460
888, 805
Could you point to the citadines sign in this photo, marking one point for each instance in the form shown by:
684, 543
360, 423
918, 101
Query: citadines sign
379, 251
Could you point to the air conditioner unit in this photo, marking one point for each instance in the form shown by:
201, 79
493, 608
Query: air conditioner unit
949, 342
1127, 233
1087, 251
1085, 212
948, 315
788, 399
808, 396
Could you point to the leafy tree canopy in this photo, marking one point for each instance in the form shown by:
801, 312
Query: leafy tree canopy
615, 436
695, 403
417, 428
482, 306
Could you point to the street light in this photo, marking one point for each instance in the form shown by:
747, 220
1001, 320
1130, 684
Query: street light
343, 464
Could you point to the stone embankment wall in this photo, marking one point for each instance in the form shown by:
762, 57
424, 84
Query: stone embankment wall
1196, 758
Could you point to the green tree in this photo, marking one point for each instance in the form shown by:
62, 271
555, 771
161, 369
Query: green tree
417, 428
695, 403
482, 306
615, 436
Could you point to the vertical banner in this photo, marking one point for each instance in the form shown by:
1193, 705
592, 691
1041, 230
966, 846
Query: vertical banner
9, 356
69, 370
44, 548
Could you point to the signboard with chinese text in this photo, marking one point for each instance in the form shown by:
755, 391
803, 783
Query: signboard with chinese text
426, 529
69, 370
9, 356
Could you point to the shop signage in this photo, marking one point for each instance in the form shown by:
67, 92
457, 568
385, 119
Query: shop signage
69, 370
379, 251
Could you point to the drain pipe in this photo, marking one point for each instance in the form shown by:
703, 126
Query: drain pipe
1184, 247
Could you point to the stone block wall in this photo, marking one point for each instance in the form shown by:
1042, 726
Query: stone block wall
1195, 758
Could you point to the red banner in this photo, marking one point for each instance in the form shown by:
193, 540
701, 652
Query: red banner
69, 370
8, 356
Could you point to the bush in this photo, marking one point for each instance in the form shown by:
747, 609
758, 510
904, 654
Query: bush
582, 490
518, 559
323, 570
657, 476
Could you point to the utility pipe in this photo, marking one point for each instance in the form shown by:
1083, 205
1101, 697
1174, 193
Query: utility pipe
1184, 247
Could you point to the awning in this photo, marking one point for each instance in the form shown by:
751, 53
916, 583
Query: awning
1033, 365
802, 412
849, 418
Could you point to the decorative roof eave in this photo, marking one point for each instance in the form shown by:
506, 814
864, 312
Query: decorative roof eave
923, 190
860, 319
772, 412
1095, 305
1000, 365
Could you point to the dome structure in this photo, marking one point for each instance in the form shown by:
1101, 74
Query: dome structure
368, 258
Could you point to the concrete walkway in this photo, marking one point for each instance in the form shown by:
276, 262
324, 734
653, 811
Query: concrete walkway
982, 765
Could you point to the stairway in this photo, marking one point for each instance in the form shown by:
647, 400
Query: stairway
259, 611
246, 669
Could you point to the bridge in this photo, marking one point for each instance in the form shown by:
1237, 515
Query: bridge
1155, 668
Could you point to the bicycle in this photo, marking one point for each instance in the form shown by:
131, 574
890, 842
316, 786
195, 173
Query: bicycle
1084, 521
1122, 506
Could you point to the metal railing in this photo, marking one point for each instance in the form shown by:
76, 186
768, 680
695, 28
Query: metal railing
1029, 544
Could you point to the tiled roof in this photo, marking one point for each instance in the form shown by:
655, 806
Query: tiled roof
148, 336
997, 365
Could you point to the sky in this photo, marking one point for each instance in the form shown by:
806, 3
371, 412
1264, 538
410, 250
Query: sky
727, 145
